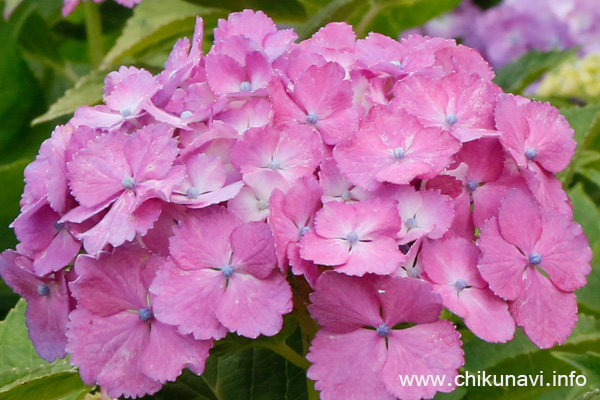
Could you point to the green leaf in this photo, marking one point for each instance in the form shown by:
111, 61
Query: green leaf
581, 120
392, 17
11, 180
588, 295
23, 374
586, 213
519, 74
10, 6
153, 22
288, 10
242, 372
88, 91
588, 364
335, 10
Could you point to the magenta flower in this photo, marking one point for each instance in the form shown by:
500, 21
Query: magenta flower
355, 238
375, 329
293, 153
516, 247
48, 303
424, 214
322, 98
114, 338
461, 104
292, 217
451, 266
336, 187
392, 146
127, 93
129, 172
221, 277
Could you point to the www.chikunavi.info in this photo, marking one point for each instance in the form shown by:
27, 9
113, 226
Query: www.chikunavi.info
481, 378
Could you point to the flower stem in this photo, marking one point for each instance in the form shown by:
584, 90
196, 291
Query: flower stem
93, 29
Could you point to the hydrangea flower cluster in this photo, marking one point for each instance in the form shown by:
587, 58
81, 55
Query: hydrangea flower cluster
394, 177
505, 32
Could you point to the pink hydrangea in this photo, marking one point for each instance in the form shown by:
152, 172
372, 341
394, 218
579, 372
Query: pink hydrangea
210, 195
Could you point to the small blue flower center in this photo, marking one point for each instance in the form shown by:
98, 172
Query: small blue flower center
412, 272
145, 314
411, 223
186, 114
126, 112
128, 182
193, 192
347, 195
530, 153
245, 86
274, 165
59, 226
451, 119
397, 64
399, 153
352, 237
227, 270
312, 118
460, 284
304, 230
383, 330
43, 289
535, 258
472, 185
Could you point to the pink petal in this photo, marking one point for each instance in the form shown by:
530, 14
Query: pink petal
487, 316
424, 350
546, 314
253, 249
520, 220
253, 307
348, 365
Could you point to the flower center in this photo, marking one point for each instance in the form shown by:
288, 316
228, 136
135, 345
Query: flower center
43, 289
193, 192
347, 195
274, 165
397, 64
245, 86
451, 119
126, 112
145, 314
399, 153
128, 182
383, 330
263, 204
411, 223
352, 237
312, 118
186, 114
59, 226
460, 284
227, 270
472, 185
304, 230
530, 153
535, 258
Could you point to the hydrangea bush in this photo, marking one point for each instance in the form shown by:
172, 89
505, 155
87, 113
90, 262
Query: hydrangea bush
379, 181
